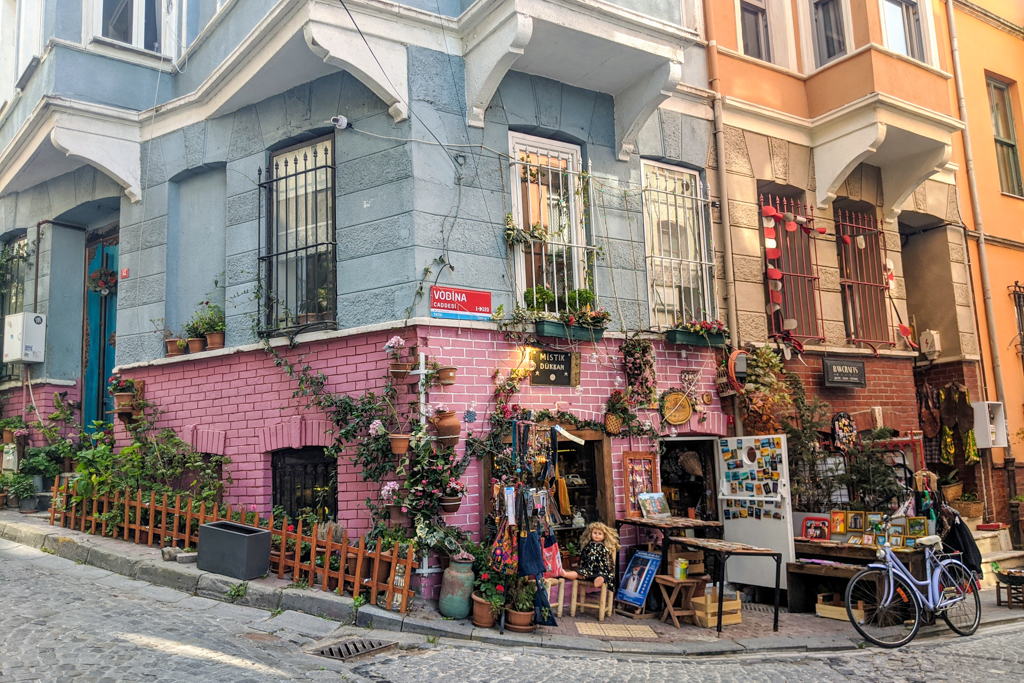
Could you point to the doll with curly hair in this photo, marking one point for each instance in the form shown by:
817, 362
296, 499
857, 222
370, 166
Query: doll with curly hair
599, 546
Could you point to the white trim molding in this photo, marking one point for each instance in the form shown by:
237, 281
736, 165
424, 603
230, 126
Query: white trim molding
490, 53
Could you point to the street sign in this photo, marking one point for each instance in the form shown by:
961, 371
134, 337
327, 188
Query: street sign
555, 368
459, 304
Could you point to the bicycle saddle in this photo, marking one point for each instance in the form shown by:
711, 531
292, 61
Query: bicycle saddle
929, 540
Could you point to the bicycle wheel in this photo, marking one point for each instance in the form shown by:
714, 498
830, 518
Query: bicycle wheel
955, 579
887, 616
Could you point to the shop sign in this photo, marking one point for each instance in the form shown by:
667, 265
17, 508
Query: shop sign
459, 304
555, 368
844, 373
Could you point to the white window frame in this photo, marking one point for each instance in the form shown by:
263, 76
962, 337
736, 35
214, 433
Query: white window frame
780, 32
172, 34
28, 36
520, 142
808, 36
704, 263
929, 48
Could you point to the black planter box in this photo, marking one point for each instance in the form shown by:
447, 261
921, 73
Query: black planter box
236, 550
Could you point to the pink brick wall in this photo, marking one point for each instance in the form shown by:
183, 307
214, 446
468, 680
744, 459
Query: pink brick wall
17, 402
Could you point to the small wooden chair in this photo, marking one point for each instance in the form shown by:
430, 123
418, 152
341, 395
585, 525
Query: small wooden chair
579, 598
548, 584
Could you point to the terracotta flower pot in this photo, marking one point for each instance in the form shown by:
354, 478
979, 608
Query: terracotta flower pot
446, 375
196, 345
8, 436
399, 443
214, 340
173, 349
451, 503
448, 428
520, 622
483, 615
123, 401
400, 371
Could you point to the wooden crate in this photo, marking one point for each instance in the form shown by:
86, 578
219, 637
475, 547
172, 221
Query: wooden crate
674, 553
708, 604
831, 606
711, 620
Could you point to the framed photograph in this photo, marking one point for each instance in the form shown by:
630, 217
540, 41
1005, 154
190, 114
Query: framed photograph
867, 539
817, 528
917, 527
910, 542
872, 520
855, 540
654, 506
854, 521
638, 577
896, 530
641, 477
839, 521
896, 541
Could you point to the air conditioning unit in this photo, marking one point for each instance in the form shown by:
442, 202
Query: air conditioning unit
25, 338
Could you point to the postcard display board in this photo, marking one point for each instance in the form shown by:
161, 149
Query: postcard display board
753, 491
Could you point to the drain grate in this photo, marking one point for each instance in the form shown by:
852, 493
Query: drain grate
356, 648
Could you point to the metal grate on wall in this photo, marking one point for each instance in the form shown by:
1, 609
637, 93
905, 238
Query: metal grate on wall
305, 479
862, 279
795, 311
12, 291
298, 246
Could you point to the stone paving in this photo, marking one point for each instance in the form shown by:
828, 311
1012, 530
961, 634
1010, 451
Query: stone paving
62, 621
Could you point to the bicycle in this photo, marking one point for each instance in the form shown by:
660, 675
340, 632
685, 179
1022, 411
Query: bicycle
885, 604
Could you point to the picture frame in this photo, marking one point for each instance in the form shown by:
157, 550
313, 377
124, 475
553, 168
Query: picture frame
917, 527
654, 506
895, 541
854, 521
872, 520
897, 530
817, 528
838, 521
867, 539
854, 540
638, 578
910, 542
641, 474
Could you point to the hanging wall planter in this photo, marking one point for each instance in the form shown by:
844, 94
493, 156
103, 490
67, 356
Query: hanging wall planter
399, 443
448, 427
451, 504
551, 328
446, 375
694, 339
400, 371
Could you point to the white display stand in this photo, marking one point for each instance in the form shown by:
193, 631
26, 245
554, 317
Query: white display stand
768, 531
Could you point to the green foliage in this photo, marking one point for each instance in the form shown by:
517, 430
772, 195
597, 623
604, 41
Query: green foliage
872, 482
814, 473
21, 486
538, 298
12, 423
43, 461
579, 299
765, 396
950, 478
208, 318
358, 601
521, 591
237, 591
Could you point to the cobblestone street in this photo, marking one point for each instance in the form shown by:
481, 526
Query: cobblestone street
66, 622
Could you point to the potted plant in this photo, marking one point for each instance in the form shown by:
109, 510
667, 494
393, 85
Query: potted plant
698, 333
577, 319
399, 370
24, 489
571, 555
123, 391
456, 586
488, 598
519, 605
616, 412
212, 322
968, 505
952, 487
5, 482
175, 345
10, 425
390, 496
446, 375
195, 335
451, 499
447, 425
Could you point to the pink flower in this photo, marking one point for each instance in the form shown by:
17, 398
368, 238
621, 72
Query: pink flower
405, 509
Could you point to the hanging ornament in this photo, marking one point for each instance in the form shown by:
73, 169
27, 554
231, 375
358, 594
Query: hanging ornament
861, 242
801, 220
773, 253
776, 297
789, 324
103, 281
788, 217
769, 222
790, 226
769, 233
774, 273
846, 239
775, 285
768, 211
821, 229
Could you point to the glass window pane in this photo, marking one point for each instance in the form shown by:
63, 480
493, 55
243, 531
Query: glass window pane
1001, 115
829, 30
896, 30
753, 19
118, 19
152, 37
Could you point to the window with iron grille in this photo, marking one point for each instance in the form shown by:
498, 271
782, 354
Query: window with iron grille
862, 278
554, 261
12, 290
680, 252
304, 479
795, 308
829, 34
298, 257
1007, 157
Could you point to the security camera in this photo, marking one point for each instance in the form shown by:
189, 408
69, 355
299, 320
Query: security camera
340, 122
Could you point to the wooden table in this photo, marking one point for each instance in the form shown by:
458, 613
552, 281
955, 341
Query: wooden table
682, 589
724, 550
669, 526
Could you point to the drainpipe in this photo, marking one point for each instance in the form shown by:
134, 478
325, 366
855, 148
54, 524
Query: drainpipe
723, 192
1009, 465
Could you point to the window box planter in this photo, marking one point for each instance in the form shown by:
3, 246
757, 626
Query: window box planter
694, 339
551, 328
235, 550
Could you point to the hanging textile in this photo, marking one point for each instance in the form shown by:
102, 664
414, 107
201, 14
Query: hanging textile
505, 550
957, 417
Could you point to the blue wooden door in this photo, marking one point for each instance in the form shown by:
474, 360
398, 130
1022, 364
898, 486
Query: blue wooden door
100, 337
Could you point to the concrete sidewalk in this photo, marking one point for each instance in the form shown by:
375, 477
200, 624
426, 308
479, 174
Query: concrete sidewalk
806, 632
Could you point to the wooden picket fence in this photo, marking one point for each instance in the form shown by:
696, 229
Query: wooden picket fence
175, 521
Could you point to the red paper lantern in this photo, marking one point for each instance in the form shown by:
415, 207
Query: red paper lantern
769, 233
790, 226
773, 253
846, 239
776, 297
774, 274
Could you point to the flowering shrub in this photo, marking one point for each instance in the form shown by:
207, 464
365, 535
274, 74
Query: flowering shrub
703, 327
389, 493
587, 317
441, 408
377, 428
617, 405
454, 488
21, 432
638, 357
394, 347
492, 588
120, 385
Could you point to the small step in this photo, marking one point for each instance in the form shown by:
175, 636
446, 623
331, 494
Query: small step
992, 541
973, 522
1007, 559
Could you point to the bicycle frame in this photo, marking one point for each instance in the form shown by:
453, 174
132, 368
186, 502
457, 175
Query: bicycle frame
932, 601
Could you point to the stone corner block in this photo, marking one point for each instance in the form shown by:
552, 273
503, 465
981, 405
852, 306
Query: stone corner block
177, 576
378, 618
460, 629
113, 561
215, 586
332, 606
68, 548
25, 534
261, 596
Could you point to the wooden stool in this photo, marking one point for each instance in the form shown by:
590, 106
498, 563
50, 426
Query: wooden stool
548, 583
1014, 595
682, 589
579, 599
